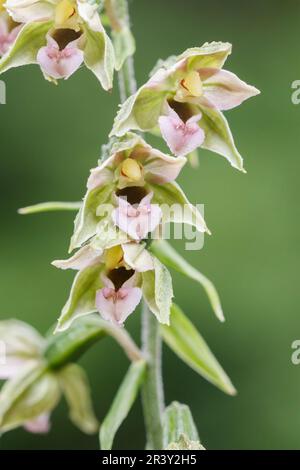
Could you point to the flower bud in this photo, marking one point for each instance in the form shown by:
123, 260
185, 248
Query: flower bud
131, 169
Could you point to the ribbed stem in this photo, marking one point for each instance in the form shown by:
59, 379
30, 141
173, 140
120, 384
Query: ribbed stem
152, 390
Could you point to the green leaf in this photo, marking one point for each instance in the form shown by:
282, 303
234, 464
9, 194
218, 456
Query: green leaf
158, 291
122, 404
140, 111
29, 394
176, 207
82, 296
25, 48
218, 137
167, 255
86, 221
75, 385
99, 56
183, 338
49, 207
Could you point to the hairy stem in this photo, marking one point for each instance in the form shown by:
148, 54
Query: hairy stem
152, 390
126, 79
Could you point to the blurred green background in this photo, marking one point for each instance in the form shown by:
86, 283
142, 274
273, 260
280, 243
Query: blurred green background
51, 137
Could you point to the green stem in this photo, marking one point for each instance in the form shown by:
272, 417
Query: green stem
126, 79
152, 389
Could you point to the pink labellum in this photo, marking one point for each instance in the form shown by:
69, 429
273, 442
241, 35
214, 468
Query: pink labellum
116, 305
39, 425
181, 137
137, 221
58, 63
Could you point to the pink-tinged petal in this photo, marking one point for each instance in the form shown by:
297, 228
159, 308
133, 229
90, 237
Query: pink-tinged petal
59, 63
81, 260
116, 306
138, 221
11, 367
7, 37
102, 174
40, 425
129, 299
14, 33
161, 168
224, 89
137, 257
181, 137
30, 10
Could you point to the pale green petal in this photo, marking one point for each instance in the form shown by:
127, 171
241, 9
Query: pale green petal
21, 339
99, 56
218, 137
140, 111
171, 195
25, 48
30, 394
108, 235
98, 50
76, 389
82, 296
86, 221
158, 291
210, 55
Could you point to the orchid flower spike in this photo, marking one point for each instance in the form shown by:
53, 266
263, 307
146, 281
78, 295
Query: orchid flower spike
32, 391
113, 280
185, 98
133, 175
65, 34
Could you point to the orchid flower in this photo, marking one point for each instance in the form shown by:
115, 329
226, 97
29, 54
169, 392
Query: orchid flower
60, 35
32, 391
137, 173
185, 98
113, 281
8, 32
